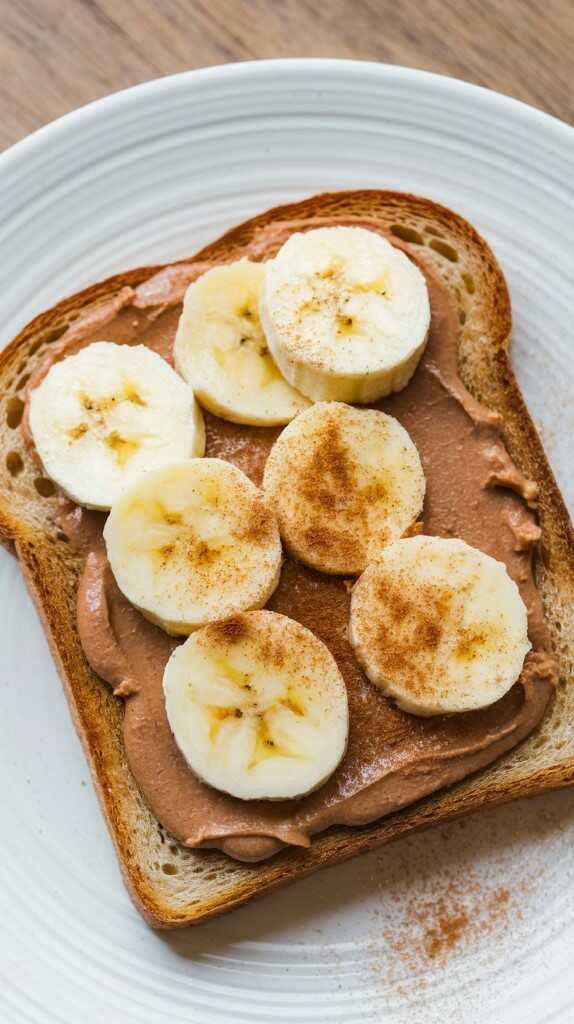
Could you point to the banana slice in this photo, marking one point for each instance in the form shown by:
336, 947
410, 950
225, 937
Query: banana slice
192, 543
104, 416
257, 706
343, 482
221, 350
345, 313
439, 626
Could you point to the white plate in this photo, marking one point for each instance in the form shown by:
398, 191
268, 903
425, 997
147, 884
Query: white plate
472, 923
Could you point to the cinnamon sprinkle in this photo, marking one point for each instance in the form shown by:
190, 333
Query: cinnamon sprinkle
228, 630
434, 929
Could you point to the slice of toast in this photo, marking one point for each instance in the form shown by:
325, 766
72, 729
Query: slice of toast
170, 884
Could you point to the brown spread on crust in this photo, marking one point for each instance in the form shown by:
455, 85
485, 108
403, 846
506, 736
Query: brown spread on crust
393, 758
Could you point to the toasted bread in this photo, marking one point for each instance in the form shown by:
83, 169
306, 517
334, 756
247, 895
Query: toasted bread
170, 884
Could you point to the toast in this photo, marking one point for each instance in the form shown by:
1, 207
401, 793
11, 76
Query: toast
170, 884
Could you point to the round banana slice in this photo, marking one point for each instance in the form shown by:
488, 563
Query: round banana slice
221, 350
343, 483
101, 418
345, 313
439, 626
257, 706
192, 543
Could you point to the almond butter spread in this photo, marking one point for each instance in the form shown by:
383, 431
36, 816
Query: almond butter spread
473, 491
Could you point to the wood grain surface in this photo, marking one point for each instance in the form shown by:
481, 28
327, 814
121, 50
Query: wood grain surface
56, 55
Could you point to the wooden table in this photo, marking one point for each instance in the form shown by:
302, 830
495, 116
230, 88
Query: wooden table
56, 55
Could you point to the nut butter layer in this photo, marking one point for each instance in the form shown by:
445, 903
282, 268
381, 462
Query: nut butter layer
473, 492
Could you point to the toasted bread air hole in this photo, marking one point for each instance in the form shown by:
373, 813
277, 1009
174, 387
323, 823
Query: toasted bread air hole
52, 335
407, 234
45, 487
169, 869
14, 463
14, 412
462, 316
49, 336
468, 283
446, 250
